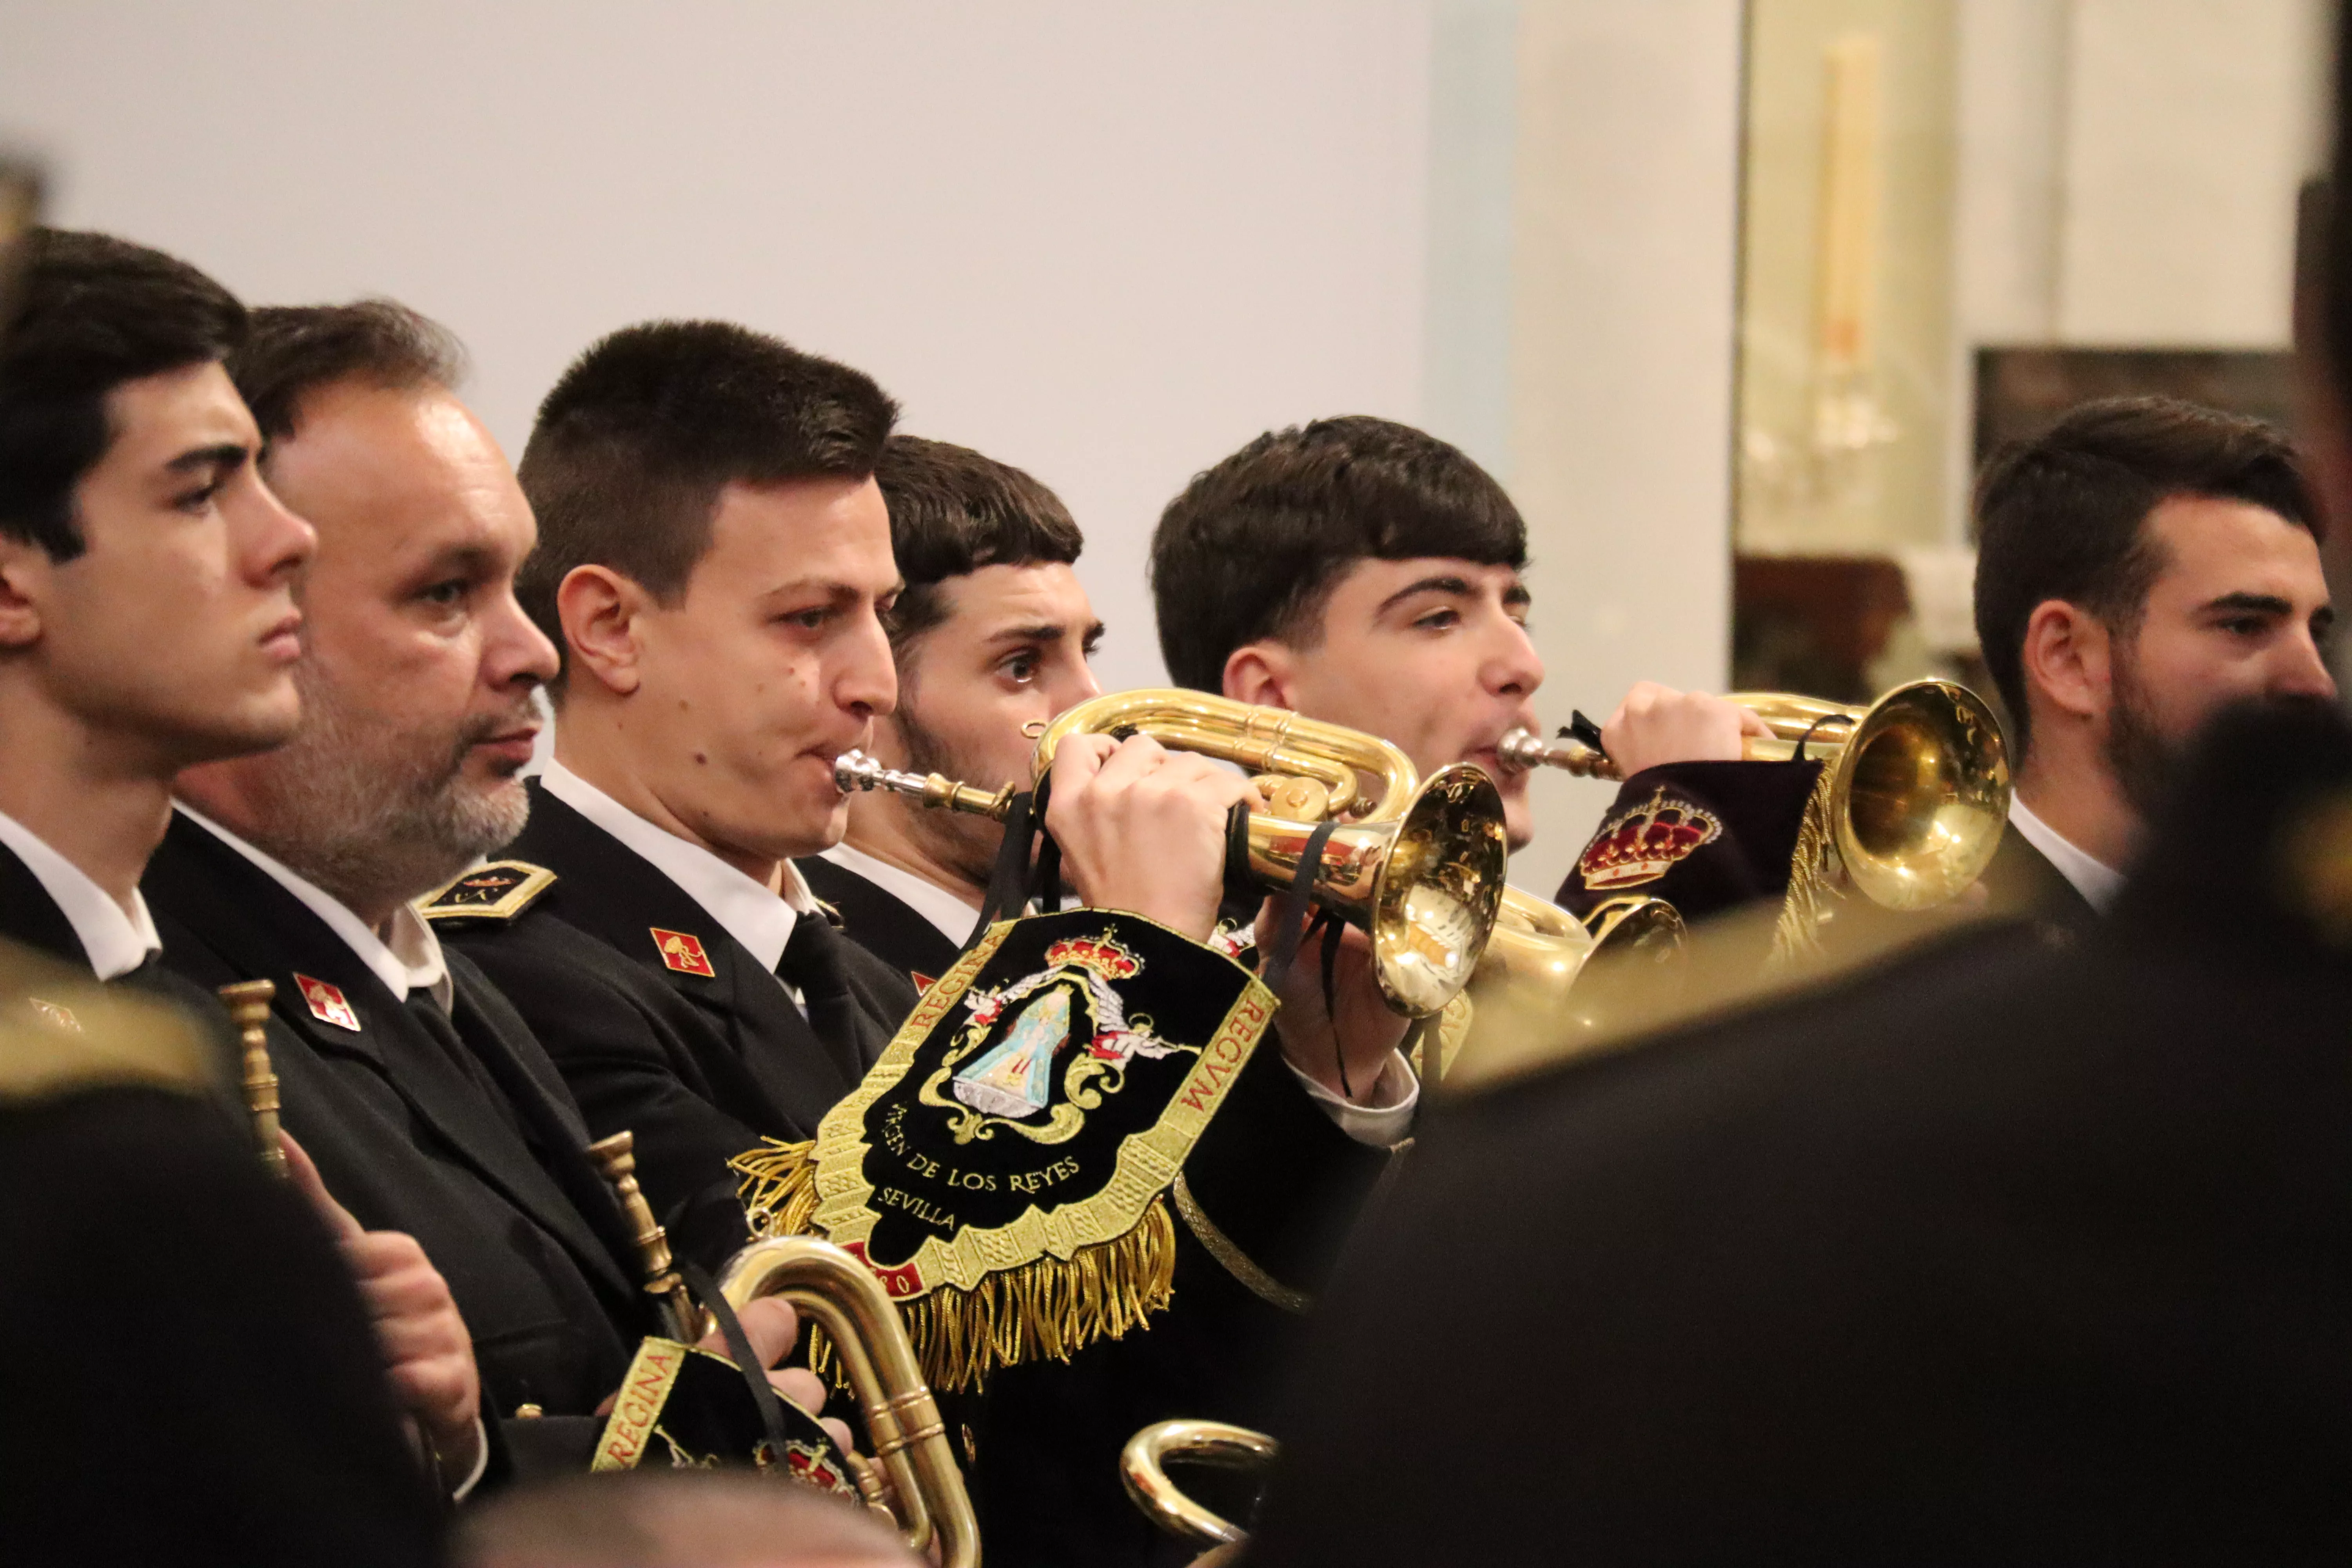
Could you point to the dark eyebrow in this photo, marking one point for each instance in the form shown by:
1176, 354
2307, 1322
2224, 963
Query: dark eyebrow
2252, 604
1455, 585
228, 454
472, 559
1516, 593
1042, 632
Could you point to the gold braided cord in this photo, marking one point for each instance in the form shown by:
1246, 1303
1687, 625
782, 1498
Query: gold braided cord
1798, 935
1047, 1307
1236, 1262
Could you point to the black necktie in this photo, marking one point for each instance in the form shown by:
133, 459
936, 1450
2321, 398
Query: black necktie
810, 965
426, 1010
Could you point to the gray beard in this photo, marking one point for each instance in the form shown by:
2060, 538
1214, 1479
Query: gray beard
375, 820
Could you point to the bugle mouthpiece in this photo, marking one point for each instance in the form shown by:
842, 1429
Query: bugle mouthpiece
854, 771
1525, 749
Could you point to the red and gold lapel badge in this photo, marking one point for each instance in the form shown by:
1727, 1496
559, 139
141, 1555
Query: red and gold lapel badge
683, 952
1005, 1168
1645, 843
327, 1002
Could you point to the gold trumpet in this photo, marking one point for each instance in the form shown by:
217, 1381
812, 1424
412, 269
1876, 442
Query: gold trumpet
1143, 1467
1919, 784
840, 1295
1419, 866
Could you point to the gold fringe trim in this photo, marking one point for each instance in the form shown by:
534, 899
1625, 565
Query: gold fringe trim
1798, 934
1048, 1306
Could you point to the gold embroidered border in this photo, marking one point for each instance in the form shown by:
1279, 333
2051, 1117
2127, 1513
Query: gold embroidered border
637, 1410
1228, 1252
1148, 1162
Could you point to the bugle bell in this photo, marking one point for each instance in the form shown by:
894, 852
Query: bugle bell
1418, 866
1919, 782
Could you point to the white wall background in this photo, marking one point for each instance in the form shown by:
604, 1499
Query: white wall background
1105, 242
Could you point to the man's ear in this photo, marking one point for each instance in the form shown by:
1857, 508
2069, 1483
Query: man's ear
24, 570
2068, 659
603, 616
1261, 673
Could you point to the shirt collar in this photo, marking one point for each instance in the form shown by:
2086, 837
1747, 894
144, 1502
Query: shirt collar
759, 920
407, 956
2095, 879
116, 940
951, 915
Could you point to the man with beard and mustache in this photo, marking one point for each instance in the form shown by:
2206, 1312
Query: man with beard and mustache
2142, 564
991, 637
424, 1099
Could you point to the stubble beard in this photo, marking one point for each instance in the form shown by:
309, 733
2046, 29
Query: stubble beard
377, 819
964, 844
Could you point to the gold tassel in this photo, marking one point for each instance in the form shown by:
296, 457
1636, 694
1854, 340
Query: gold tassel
1046, 1308
1798, 935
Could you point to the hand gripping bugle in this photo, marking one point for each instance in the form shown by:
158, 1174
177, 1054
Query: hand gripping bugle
1418, 866
248, 1008
1919, 782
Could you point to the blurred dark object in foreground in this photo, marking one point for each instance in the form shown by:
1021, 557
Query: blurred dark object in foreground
2022, 392
2013, 1249
675, 1519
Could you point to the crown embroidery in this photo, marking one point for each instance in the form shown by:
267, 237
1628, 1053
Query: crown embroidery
1646, 843
1103, 955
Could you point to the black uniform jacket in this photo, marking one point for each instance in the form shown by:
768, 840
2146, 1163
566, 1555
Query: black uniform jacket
189, 1377
2013, 1252
480, 1155
700, 1067
881, 922
2022, 881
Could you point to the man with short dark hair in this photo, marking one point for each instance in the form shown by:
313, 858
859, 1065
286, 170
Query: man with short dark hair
147, 622
424, 1099
991, 636
717, 568
2140, 565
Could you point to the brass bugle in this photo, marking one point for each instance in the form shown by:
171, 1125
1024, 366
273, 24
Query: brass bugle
1920, 780
616, 1160
1143, 1467
840, 1295
247, 1002
1417, 865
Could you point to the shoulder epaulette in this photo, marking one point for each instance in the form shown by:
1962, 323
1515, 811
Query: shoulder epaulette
62, 1032
497, 891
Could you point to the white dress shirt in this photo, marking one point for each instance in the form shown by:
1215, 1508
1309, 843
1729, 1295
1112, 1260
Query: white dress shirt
954, 917
746, 910
407, 956
2095, 879
115, 939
